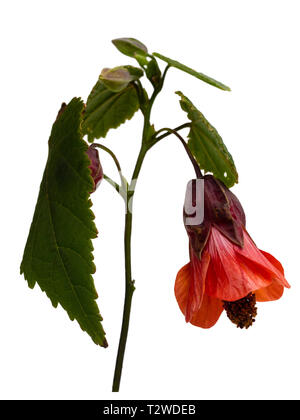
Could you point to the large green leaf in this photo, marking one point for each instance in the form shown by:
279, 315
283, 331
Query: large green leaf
207, 145
192, 72
58, 253
106, 109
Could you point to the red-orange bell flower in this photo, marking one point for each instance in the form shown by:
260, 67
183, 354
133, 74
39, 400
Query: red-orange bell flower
226, 269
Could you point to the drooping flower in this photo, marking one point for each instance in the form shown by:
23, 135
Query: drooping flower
95, 166
226, 269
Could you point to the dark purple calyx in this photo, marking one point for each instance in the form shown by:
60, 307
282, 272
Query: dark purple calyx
95, 166
222, 210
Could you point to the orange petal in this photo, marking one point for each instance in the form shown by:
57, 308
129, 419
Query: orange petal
190, 284
273, 292
182, 286
261, 262
279, 267
209, 312
229, 277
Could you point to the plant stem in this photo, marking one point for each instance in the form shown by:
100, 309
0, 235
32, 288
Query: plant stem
129, 289
197, 169
107, 150
129, 282
129, 285
122, 178
157, 139
114, 184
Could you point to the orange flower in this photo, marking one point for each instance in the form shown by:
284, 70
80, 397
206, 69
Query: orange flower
226, 269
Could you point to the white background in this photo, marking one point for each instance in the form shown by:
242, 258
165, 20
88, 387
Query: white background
54, 50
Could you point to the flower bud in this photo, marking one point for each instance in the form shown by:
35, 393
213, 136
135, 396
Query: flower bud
118, 78
130, 47
95, 166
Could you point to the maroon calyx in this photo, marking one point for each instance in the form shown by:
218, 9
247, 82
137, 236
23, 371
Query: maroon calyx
222, 210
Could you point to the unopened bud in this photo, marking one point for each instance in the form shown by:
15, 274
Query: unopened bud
95, 166
118, 78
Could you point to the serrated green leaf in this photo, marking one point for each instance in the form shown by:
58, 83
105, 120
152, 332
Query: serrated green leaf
106, 109
192, 72
58, 253
207, 145
130, 47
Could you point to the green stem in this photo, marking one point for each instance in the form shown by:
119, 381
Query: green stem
197, 169
129, 285
157, 139
129, 282
110, 152
127, 303
123, 187
114, 184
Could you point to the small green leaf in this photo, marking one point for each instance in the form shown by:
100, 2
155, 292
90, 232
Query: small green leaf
106, 109
141, 59
118, 78
194, 73
135, 72
130, 47
58, 253
207, 145
153, 72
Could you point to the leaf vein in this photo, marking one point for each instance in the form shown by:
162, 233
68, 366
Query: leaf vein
73, 214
